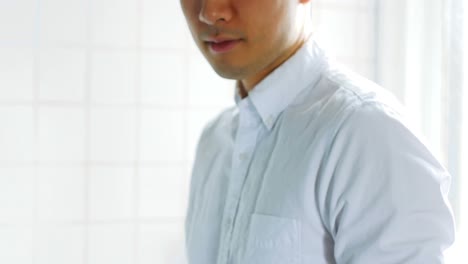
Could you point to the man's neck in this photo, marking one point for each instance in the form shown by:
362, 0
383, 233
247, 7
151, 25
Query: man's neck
246, 85
241, 90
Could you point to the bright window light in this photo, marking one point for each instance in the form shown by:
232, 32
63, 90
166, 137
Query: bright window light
457, 254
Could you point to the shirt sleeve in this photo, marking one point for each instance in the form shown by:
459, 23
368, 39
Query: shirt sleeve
386, 195
199, 151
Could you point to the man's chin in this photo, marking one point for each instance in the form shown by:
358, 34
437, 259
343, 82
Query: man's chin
232, 73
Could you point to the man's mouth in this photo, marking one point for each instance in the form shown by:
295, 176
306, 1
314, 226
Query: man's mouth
222, 46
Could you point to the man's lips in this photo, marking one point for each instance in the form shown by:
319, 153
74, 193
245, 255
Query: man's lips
222, 45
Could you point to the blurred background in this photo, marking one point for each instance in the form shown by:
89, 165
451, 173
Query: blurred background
102, 103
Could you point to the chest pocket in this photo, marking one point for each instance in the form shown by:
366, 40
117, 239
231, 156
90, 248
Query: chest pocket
273, 240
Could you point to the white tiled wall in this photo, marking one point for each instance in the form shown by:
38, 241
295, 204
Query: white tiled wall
346, 28
101, 105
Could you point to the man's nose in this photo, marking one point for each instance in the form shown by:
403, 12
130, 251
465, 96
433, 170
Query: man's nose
213, 11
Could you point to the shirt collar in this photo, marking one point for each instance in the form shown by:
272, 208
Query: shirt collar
278, 90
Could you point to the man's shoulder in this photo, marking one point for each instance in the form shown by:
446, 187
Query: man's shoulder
367, 106
355, 89
340, 93
369, 114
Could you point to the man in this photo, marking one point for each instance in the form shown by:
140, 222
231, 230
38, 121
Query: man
313, 164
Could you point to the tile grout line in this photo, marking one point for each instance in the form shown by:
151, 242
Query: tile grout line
376, 39
74, 164
87, 136
74, 104
35, 107
147, 220
186, 109
138, 124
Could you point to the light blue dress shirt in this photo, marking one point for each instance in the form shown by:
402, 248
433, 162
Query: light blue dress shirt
316, 165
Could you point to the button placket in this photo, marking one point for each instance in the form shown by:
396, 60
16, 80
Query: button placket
243, 156
269, 121
244, 147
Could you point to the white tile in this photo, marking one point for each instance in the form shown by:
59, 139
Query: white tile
59, 244
111, 193
197, 120
162, 135
337, 31
162, 243
366, 69
193, 48
16, 133
17, 20
163, 78
111, 243
365, 36
62, 74
16, 73
16, 195
316, 18
61, 134
113, 134
338, 4
163, 25
16, 245
114, 22
188, 174
163, 192
113, 77
60, 194
315, 4
63, 22
206, 88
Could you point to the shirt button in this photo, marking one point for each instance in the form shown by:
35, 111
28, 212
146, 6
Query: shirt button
270, 121
243, 156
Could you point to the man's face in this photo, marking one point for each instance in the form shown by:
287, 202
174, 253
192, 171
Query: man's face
241, 38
